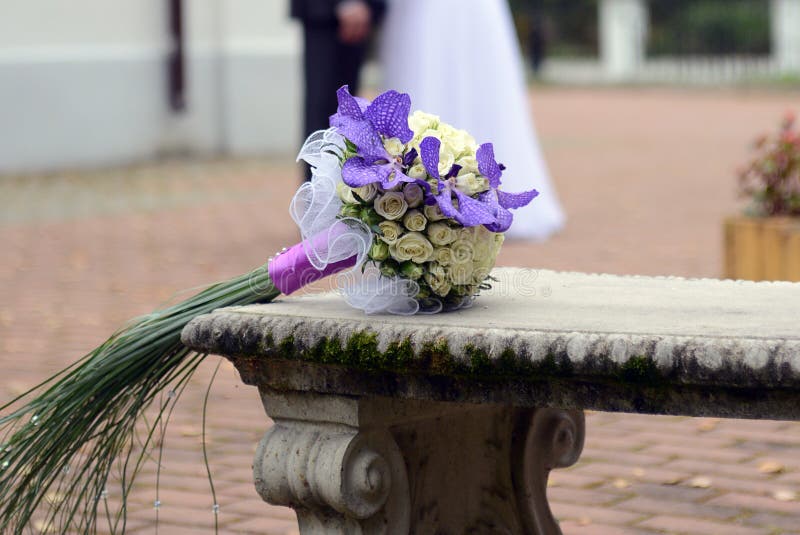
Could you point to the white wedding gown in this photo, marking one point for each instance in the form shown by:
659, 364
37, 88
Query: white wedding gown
460, 59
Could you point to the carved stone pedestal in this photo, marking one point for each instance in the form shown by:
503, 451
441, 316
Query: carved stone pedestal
380, 465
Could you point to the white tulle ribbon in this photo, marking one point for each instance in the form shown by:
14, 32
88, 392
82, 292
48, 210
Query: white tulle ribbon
315, 208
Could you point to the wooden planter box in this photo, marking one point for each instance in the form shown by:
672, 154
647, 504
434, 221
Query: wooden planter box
762, 248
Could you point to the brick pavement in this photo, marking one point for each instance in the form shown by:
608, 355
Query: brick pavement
645, 176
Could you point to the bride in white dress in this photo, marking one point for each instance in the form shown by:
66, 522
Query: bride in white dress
460, 59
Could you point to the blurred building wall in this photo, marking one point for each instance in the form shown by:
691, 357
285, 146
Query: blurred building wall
786, 34
84, 82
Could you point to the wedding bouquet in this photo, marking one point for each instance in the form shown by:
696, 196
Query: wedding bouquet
410, 200
407, 210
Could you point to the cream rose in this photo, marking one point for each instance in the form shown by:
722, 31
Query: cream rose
463, 251
391, 205
443, 255
394, 146
498, 241
414, 220
460, 273
412, 246
483, 247
390, 231
436, 277
417, 171
433, 212
481, 268
345, 193
441, 234
471, 184
413, 194
368, 192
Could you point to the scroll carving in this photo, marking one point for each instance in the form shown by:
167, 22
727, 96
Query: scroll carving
544, 439
337, 479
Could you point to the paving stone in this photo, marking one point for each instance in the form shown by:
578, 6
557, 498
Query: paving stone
770, 521
677, 493
586, 527
591, 514
654, 506
583, 496
694, 526
749, 502
695, 452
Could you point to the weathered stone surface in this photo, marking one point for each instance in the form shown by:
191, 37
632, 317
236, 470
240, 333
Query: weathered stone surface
664, 345
377, 465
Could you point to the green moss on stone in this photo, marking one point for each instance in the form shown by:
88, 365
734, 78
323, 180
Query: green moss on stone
552, 366
641, 370
508, 363
399, 355
360, 352
436, 358
326, 351
286, 348
267, 343
479, 361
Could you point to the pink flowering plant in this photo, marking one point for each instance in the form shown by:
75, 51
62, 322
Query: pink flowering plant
772, 179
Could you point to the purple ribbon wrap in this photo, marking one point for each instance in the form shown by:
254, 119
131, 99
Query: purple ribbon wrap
291, 269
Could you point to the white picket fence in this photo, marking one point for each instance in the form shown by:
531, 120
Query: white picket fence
695, 70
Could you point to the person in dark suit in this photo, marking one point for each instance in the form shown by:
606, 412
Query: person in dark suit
335, 35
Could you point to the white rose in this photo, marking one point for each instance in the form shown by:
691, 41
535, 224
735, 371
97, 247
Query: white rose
469, 164
368, 192
419, 121
391, 205
441, 234
417, 171
414, 221
443, 255
470, 184
482, 267
390, 231
483, 246
460, 273
345, 193
394, 146
498, 240
419, 136
397, 186
433, 212
436, 277
463, 251
413, 246
446, 161
413, 194
466, 142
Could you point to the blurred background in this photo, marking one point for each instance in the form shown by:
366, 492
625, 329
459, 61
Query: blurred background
147, 146
89, 83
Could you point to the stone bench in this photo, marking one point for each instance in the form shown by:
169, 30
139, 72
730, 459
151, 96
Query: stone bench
451, 423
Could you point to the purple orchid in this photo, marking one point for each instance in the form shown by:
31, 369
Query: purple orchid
363, 125
491, 207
